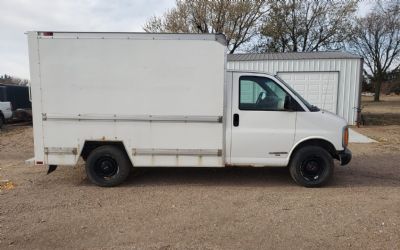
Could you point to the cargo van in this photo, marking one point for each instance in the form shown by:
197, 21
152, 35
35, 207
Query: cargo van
126, 100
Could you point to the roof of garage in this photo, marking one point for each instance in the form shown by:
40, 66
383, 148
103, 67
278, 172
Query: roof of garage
292, 56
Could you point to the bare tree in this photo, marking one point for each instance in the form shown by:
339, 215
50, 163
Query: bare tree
306, 25
7, 79
376, 37
238, 20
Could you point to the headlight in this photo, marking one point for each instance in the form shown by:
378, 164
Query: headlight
345, 140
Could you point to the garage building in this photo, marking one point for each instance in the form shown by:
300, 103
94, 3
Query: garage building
329, 80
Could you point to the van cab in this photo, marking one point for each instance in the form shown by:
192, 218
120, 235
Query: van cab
272, 125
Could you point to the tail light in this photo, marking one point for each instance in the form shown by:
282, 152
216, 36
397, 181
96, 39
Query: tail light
46, 33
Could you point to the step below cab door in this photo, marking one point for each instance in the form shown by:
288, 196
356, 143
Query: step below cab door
262, 128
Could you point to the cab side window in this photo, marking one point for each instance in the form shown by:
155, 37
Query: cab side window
260, 93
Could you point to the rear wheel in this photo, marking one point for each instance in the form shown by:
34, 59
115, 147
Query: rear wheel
108, 166
311, 166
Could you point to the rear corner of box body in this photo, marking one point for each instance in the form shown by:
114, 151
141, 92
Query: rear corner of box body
36, 95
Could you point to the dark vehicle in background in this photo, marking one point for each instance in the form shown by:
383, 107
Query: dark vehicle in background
18, 96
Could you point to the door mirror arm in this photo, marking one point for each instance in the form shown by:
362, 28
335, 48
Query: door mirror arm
288, 105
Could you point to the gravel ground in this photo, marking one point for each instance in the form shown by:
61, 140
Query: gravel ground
238, 208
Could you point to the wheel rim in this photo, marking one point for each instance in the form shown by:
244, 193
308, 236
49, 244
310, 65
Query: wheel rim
312, 168
106, 167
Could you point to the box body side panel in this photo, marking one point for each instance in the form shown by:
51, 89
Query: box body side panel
91, 89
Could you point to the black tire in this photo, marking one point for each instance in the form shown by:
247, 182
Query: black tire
311, 166
108, 166
1, 120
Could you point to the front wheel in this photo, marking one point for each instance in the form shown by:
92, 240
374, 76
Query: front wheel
108, 166
311, 166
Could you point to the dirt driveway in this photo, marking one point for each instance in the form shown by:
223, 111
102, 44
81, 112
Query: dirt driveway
202, 208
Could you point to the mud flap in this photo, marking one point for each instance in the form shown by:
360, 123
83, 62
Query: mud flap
345, 157
51, 168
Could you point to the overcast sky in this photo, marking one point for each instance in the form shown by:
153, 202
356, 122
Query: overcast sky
19, 16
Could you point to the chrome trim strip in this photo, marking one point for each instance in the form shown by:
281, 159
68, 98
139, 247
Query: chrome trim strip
60, 150
138, 118
187, 152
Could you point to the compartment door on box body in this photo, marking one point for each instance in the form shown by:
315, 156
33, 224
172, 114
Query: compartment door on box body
262, 131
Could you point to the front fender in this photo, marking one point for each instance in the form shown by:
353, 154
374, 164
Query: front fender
314, 140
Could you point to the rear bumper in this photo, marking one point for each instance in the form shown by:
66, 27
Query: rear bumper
344, 156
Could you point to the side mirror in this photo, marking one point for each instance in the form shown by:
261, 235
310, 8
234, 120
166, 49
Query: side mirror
288, 105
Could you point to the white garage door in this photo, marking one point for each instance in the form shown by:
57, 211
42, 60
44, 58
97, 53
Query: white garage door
318, 88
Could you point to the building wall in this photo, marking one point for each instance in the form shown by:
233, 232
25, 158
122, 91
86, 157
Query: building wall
349, 77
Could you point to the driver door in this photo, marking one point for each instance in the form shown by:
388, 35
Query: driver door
262, 131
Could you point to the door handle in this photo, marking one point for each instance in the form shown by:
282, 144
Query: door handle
236, 120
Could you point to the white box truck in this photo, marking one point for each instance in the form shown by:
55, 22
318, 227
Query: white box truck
126, 100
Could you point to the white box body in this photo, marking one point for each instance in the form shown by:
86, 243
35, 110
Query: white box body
161, 95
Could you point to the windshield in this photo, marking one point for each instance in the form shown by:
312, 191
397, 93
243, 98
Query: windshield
309, 106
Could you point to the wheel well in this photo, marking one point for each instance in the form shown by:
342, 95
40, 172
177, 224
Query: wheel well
320, 143
89, 146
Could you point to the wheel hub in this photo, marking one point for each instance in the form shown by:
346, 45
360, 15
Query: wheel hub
312, 166
311, 169
106, 167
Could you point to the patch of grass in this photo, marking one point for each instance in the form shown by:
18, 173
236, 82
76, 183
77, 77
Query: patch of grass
385, 112
381, 119
7, 185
